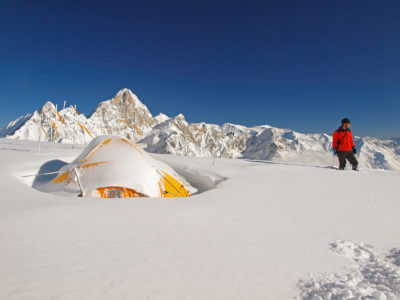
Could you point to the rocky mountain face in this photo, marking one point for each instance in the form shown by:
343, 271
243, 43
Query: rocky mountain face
126, 116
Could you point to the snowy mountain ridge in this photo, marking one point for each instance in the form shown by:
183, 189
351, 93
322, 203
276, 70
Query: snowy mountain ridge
126, 116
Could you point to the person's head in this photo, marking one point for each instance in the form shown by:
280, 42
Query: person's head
346, 123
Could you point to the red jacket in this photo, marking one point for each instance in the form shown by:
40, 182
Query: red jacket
343, 139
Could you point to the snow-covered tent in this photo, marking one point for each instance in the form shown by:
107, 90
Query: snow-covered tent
113, 167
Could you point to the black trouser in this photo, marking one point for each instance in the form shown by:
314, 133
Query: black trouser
347, 155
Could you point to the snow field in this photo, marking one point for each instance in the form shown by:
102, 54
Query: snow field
256, 230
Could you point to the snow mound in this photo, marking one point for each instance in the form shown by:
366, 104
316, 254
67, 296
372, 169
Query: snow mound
372, 276
200, 175
113, 167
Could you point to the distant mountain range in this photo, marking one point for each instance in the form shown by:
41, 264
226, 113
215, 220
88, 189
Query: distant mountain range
126, 116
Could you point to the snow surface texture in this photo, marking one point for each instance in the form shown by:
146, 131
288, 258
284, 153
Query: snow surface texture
371, 277
162, 134
253, 232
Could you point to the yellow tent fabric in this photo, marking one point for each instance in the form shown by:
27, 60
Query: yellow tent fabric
116, 167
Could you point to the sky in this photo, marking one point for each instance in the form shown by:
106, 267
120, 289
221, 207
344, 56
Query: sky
302, 65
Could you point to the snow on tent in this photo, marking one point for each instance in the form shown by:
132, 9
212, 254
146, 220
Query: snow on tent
114, 167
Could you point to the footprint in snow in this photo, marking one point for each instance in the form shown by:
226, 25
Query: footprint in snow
372, 276
354, 250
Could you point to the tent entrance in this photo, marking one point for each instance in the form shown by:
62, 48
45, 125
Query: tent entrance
115, 192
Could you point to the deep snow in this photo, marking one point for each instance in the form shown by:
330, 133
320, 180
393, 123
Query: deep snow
257, 230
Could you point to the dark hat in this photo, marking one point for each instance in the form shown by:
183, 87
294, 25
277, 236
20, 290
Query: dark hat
345, 121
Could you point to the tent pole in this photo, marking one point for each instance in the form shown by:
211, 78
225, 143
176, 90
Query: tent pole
73, 142
39, 132
54, 123
79, 182
51, 138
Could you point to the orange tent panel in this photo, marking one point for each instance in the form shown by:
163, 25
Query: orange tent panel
62, 177
118, 192
170, 187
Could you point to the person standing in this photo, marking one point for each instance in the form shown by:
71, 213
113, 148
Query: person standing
343, 145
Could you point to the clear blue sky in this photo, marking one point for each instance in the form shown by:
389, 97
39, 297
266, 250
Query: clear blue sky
295, 64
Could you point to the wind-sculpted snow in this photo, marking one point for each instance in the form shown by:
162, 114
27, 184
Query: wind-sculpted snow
372, 276
126, 116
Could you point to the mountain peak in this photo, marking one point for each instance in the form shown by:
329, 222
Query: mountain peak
180, 117
48, 109
124, 106
127, 93
48, 105
161, 118
126, 116
124, 90
125, 99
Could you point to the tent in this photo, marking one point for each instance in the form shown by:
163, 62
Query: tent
114, 167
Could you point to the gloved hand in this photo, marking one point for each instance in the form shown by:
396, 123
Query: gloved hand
334, 151
354, 150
